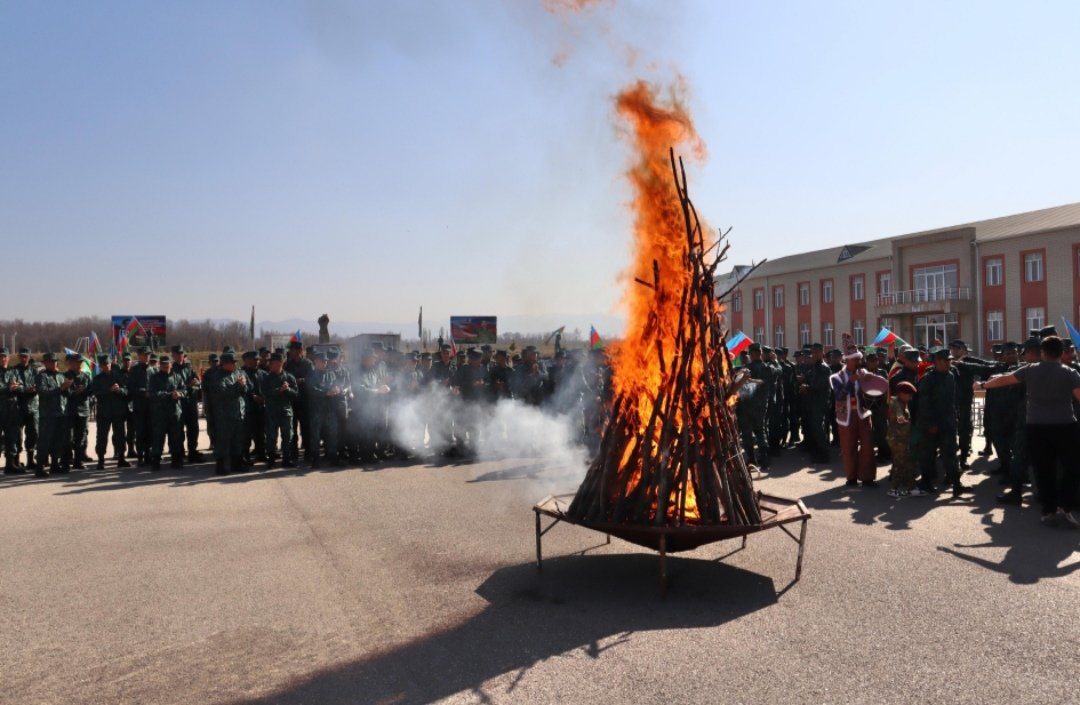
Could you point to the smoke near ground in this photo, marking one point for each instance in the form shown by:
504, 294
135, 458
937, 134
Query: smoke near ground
552, 434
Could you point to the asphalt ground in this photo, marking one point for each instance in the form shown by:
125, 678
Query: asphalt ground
415, 583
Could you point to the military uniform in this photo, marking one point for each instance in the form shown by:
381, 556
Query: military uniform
77, 413
189, 405
754, 408
280, 392
322, 422
10, 384
138, 386
936, 425
229, 393
28, 409
299, 367
209, 376
52, 412
167, 391
817, 395
776, 421
112, 407
340, 404
967, 369
254, 411
470, 381
124, 373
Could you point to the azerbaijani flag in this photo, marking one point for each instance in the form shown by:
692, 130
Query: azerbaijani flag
738, 342
86, 366
594, 339
1073, 333
887, 337
93, 347
296, 337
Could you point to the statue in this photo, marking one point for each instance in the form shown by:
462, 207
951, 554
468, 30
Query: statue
324, 332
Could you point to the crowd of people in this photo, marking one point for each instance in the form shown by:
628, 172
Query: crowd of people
266, 407
914, 411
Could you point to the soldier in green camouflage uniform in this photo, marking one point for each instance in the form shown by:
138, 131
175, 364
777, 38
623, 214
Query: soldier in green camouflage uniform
755, 409
189, 404
51, 387
167, 391
936, 424
77, 412
817, 392
777, 414
280, 390
28, 409
138, 385
321, 391
9, 414
254, 410
229, 394
112, 405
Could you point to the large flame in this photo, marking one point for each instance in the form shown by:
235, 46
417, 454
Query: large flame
659, 236
660, 248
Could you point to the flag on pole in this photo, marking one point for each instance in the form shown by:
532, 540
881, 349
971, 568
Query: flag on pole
594, 339
420, 325
297, 337
253, 325
887, 337
554, 333
93, 347
86, 366
738, 342
1073, 333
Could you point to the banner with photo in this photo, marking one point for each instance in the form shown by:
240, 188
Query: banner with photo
473, 330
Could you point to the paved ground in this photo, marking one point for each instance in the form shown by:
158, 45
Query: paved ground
415, 584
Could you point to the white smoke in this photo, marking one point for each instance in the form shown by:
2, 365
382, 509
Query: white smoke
504, 430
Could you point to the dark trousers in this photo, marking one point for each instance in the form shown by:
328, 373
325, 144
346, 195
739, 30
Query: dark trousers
793, 421
1053, 452
167, 424
9, 432
279, 424
189, 419
28, 421
964, 429
101, 441
76, 437
942, 443
143, 427
816, 434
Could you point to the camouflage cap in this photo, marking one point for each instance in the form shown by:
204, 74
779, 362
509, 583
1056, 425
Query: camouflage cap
164, 360
4, 350
276, 357
228, 357
212, 357
49, 357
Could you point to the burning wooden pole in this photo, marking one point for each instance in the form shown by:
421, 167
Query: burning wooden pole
671, 454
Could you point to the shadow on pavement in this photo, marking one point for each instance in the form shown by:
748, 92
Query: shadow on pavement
1033, 552
591, 605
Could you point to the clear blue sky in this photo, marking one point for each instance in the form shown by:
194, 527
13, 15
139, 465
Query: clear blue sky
367, 158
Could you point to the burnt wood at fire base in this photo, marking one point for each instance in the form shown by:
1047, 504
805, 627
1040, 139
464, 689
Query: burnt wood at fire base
680, 463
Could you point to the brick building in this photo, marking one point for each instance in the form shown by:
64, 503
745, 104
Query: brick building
985, 282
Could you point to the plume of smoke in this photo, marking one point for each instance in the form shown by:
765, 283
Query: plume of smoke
496, 431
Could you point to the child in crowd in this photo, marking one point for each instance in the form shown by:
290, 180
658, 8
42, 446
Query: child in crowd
902, 475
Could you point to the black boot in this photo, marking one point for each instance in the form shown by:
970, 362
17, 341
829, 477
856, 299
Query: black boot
271, 460
122, 462
31, 461
1014, 497
100, 463
219, 467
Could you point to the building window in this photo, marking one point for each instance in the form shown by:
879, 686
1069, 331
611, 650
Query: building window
827, 334
759, 335
1036, 318
886, 322
778, 337
804, 294
1033, 267
858, 285
736, 301
995, 326
826, 291
778, 297
936, 283
759, 299
804, 334
937, 329
993, 275
859, 332
884, 284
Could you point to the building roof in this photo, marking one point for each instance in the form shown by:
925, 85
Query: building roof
985, 230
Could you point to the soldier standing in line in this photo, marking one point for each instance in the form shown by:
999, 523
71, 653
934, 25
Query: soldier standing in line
797, 404
264, 359
340, 404
167, 391
441, 425
321, 392
28, 409
777, 418
112, 405
469, 385
189, 404
369, 408
936, 424
879, 408
254, 411
124, 373
209, 376
815, 387
77, 412
1019, 463
10, 385
299, 367
138, 387
280, 390
229, 393
51, 387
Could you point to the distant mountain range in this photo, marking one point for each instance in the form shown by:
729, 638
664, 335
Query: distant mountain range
606, 325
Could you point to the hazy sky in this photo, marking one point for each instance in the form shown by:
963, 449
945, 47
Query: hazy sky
365, 158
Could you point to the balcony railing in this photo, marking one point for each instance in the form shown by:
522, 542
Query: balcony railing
918, 296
